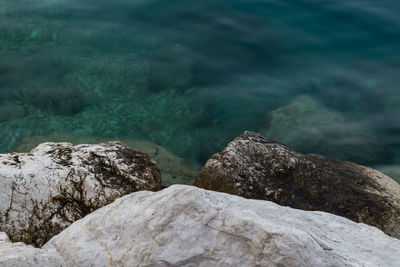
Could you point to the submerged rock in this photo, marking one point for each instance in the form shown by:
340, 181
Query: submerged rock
174, 170
189, 226
44, 191
21, 255
306, 125
255, 167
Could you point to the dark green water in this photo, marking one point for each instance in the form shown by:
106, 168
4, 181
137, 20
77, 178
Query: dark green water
192, 75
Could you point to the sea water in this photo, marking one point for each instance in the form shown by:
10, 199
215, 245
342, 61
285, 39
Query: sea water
321, 76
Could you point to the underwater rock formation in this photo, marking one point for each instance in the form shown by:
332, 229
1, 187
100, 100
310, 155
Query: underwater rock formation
19, 254
189, 226
174, 170
252, 166
308, 126
44, 191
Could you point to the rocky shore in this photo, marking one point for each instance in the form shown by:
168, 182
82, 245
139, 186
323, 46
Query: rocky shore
255, 203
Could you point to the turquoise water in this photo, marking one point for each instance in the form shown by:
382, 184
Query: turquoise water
321, 76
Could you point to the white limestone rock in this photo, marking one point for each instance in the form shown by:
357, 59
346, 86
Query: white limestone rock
43, 192
21, 255
188, 226
174, 170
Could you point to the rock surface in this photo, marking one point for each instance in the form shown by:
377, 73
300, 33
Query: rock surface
44, 191
21, 255
255, 167
189, 226
174, 170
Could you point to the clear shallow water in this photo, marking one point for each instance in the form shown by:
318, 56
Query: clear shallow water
192, 75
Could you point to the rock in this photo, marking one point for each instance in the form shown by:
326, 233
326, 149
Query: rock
308, 126
44, 191
188, 226
255, 167
21, 255
174, 170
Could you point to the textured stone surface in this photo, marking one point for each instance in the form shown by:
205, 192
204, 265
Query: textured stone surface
21, 255
44, 191
189, 226
255, 167
174, 170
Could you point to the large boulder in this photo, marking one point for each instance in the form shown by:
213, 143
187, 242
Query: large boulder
43, 192
255, 167
21, 255
188, 226
174, 170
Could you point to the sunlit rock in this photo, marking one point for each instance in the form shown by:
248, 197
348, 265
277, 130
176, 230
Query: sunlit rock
21, 255
174, 170
189, 226
255, 167
44, 191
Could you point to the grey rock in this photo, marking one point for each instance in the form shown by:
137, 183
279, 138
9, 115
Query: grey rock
188, 226
255, 167
174, 170
21, 255
43, 192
